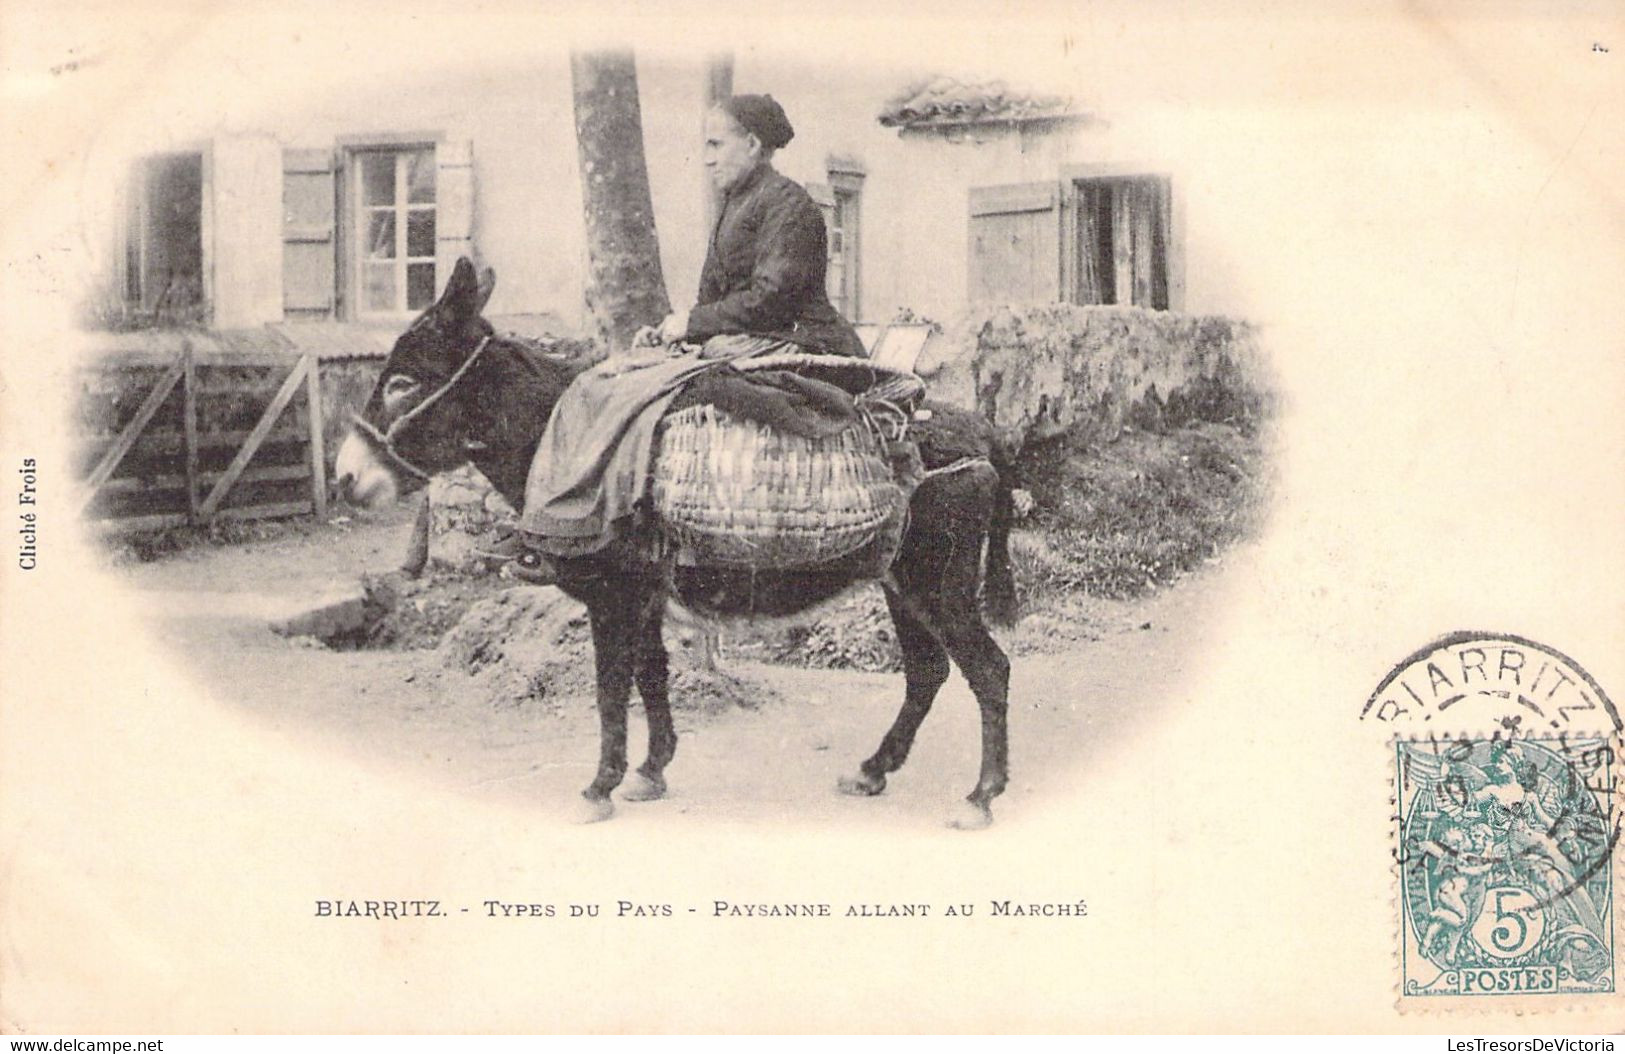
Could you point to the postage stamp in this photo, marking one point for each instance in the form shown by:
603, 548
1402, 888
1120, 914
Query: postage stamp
1505, 827
1505, 849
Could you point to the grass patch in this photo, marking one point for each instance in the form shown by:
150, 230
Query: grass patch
1119, 519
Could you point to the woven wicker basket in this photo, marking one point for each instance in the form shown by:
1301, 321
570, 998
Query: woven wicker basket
733, 492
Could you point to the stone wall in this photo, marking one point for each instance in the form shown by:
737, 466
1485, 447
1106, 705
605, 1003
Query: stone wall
1044, 370
466, 515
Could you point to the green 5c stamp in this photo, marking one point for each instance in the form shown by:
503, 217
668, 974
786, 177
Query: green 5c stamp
1505, 851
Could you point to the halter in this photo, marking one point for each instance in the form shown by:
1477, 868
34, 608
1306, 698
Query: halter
385, 441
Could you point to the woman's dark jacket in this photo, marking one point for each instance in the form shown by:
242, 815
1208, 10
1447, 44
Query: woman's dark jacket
764, 270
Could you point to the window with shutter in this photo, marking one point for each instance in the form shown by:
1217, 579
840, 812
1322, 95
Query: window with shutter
309, 243
1096, 238
839, 201
408, 214
163, 268
394, 230
846, 238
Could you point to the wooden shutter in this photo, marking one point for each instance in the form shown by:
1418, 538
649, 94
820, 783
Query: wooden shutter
127, 241
1015, 244
824, 198
309, 246
454, 206
834, 274
1157, 194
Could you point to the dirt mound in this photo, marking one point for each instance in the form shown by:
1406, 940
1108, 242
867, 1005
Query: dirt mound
532, 644
410, 614
523, 644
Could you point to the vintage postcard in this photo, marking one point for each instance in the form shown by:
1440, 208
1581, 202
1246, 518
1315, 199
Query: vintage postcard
1073, 517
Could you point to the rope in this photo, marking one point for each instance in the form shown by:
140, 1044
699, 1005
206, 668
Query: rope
956, 466
438, 393
385, 441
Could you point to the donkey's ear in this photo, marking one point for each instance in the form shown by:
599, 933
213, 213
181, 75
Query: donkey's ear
461, 300
487, 285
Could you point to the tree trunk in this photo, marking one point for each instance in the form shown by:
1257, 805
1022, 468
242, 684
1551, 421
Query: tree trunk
626, 288
719, 85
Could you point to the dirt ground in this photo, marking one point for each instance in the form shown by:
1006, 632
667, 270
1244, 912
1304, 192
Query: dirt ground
411, 711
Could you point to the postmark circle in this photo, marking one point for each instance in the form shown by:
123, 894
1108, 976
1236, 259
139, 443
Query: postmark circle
1475, 679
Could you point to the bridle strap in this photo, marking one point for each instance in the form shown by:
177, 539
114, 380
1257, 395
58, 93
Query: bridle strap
386, 440
385, 449
435, 396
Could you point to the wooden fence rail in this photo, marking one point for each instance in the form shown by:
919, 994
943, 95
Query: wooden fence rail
166, 488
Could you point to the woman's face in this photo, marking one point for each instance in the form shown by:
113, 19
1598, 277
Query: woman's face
730, 151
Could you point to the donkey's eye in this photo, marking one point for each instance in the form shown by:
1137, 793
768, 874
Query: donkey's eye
399, 385
398, 390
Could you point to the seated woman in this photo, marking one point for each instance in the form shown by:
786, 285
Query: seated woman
761, 291
764, 271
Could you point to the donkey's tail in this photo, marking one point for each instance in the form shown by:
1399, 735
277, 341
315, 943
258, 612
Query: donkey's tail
999, 580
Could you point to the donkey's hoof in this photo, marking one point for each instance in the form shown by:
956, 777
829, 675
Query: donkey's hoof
969, 816
639, 787
592, 810
861, 786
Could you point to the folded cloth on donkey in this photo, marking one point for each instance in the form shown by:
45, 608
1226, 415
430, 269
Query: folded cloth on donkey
594, 460
780, 399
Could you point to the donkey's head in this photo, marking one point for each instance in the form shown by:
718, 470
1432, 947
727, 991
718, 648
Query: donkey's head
416, 422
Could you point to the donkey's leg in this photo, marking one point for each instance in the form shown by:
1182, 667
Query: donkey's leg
615, 608
925, 668
939, 571
987, 669
653, 680
417, 550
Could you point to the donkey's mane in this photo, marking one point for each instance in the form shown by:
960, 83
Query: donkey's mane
544, 360
537, 374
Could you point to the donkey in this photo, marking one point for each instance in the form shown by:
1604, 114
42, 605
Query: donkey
452, 391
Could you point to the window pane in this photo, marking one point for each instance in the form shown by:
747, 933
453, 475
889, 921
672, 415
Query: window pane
420, 177
420, 232
381, 235
378, 179
378, 293
419, 285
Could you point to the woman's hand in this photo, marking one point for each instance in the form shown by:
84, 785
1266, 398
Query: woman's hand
674, 328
